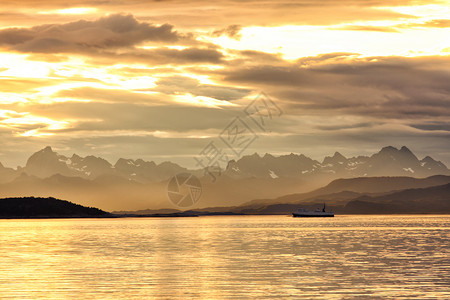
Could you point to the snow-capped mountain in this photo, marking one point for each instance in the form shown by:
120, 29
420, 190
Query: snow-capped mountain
46, 163
389, 161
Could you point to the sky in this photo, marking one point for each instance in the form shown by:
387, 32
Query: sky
162, 80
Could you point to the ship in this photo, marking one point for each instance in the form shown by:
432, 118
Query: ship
312, 213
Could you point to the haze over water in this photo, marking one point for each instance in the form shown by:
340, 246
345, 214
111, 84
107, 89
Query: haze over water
227, 257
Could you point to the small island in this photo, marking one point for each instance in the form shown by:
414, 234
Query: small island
40, 208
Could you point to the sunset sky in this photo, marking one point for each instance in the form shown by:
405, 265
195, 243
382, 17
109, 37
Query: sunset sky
159, 80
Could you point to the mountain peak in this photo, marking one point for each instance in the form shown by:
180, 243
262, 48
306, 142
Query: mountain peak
388, 149
339, 156
405, 149
45, 163
433, 165
268, 155
336, 158
396, 153
428, 159
47, 149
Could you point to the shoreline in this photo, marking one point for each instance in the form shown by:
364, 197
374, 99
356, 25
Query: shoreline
181, 215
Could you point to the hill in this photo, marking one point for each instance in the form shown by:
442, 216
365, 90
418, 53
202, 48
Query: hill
348, 188
425, 200
341, 192
31, 207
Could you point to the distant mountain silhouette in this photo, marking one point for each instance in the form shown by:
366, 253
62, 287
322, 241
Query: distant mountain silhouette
7, 174
348, 188
434, 199
430, 200
135, 184
373, 195
338, 193
381, 184
30, 207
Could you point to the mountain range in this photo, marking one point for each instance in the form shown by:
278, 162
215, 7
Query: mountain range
365, 195
368, 195
137, 184
389, 161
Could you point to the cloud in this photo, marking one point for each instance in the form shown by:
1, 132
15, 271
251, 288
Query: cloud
159, 56
112, 96
132, 117
383, 87
195, 14
334, 100
183, 84
110, 39
232, 31
275, 13
22, 85
443, 23
368, 28
439, 23
433, 126
111, 32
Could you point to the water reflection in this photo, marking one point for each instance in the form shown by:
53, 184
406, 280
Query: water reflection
221, 257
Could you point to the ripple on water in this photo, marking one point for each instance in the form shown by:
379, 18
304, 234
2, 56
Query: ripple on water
220, 257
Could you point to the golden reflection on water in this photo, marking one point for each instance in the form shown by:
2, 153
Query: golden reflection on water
375, 257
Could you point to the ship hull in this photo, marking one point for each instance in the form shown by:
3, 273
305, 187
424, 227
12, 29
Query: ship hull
313, 215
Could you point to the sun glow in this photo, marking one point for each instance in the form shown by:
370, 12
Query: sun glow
98, 67
201, 101
430, 11
23, 123
71, 11
323, 39
17, 65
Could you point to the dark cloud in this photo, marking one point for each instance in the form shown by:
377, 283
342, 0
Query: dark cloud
347, 126
232, 31
273, 75
109, 39
433, 126
110, 32
160, 56
385, 87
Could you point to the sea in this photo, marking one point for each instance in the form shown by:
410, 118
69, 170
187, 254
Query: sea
227, 257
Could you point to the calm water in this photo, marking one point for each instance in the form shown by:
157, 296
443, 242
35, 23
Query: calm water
344, 257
